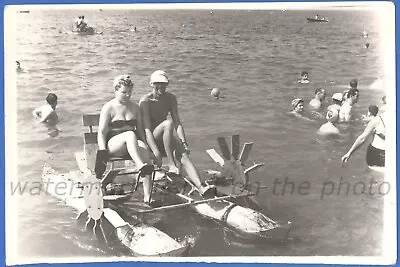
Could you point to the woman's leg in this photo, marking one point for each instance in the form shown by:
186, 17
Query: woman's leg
146, 156
123, 143
127, 142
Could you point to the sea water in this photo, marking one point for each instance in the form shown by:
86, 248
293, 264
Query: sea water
255, 59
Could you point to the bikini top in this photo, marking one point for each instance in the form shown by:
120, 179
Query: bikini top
122, 123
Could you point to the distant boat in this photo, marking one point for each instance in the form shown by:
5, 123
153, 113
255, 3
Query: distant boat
317, 20
23, 11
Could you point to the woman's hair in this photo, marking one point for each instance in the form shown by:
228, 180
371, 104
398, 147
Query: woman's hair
122, 80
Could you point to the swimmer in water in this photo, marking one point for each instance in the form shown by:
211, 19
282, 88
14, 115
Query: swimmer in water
345, 109
298, 107
316, 102
329, 127
376, 150
372, 112
47, 113
304, 77
337, 99
353, 84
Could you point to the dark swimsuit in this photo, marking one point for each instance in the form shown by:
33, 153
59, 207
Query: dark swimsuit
118, 126
376, 156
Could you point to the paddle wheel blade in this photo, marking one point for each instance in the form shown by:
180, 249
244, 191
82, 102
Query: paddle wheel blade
216, 157
238, 174
235, 144
245, 152
224, 148
254, 167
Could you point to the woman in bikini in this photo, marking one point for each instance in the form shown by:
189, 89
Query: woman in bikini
376, 150
121, 132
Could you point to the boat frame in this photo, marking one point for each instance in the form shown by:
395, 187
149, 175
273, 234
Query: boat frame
240, 211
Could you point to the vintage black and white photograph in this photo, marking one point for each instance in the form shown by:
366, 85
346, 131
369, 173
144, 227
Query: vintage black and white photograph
232, 132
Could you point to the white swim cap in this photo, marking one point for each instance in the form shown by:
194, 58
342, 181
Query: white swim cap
332, 115
296, 101
338, 96
159, 76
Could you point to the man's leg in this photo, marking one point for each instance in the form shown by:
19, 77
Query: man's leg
165, 132
191, 171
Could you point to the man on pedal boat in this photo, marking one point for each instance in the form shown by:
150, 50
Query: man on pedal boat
166, 138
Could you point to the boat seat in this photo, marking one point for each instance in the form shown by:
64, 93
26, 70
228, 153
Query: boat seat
90, 142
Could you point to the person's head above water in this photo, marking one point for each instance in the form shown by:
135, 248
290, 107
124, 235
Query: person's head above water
52, 99
82, 17
304, 75
18, 64
332, 115
373, 110
353, 94
353, 84
321, 93
298, 104
337, 97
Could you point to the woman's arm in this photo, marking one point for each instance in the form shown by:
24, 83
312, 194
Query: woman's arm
103, 127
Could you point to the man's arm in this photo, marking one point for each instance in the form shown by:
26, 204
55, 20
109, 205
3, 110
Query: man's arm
177, 122
361, 139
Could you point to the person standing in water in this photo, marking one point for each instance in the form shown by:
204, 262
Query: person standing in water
329, 127
376, 150
316, 102
167, 137
345, 109
372, 112
47, 113
337, 99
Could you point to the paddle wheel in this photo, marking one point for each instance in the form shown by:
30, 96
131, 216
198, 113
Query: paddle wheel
233, 171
